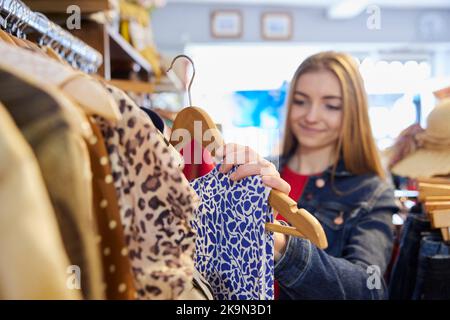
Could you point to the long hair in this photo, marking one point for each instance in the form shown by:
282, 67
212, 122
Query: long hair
356, 143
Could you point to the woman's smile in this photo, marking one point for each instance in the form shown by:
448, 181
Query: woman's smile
310, 130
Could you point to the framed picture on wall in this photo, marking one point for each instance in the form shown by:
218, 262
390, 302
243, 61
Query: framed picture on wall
226, 24
276, 26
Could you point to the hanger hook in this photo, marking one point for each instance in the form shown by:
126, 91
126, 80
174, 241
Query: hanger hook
44, 37
12, 9
5, 19
20, 20
25, 21
193, 73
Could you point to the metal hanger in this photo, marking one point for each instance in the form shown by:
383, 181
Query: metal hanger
2, 19
19, 17
16, 13
303, 223
7, 21
193, 73
12, 22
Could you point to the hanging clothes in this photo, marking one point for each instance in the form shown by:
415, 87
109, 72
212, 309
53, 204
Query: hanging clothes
403, 275
197, 161
116, 265
29, 229
199, 289
421, 269
156, 202
95, 98
156, 119
436, 283
84, 90
432, 249
64, 162
233, 251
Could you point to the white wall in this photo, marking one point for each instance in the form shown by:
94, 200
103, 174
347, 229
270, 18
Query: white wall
178, 24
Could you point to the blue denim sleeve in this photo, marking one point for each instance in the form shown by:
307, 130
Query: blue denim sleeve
306, 272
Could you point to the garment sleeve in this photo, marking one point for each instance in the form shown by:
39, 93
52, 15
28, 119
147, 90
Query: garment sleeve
307, 272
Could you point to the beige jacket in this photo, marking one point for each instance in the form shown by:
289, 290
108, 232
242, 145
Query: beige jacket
28, 227
63, 160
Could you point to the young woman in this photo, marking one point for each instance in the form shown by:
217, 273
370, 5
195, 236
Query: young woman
331, 166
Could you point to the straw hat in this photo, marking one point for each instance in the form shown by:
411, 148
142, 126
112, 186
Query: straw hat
432, 157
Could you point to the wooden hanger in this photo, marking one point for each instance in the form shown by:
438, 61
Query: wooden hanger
437, 198
435, 180
435, 194
52, 54
81, 86
23, 43
5, 37
441, 219
304, 224
432, 190
20, 43
436, 205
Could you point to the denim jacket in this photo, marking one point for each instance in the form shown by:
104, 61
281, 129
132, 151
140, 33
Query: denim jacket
358, 226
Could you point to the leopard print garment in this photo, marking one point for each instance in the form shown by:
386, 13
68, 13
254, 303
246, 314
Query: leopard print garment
156, 202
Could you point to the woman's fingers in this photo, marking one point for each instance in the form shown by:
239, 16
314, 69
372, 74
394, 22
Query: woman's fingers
271, 178
230, 147
277, 183
268, 168
234, 154
250, 164
230, 160
245, 170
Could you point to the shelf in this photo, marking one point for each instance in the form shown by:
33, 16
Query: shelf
169, 83
121, 49
60, 6
133, 86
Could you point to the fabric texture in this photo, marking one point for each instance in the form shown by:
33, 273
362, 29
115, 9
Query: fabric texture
197, 161
436, 284
64, 163
116, 266
296, 181
430, 246
403, 276
156, 202
233, 251
156, 119
199, 289
29, 228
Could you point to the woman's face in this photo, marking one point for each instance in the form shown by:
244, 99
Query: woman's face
316, 111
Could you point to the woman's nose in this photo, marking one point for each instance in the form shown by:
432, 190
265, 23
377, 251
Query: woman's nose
313, 113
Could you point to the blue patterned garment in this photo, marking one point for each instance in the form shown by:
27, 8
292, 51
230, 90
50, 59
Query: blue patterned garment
232, 249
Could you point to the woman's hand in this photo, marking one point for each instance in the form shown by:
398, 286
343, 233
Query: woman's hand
250, 164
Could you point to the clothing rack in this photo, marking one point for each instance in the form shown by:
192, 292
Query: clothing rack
51, 33
436, 198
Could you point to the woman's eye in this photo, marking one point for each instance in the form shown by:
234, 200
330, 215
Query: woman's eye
299, 102
331, 107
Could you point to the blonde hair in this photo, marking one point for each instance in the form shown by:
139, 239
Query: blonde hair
356, 143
